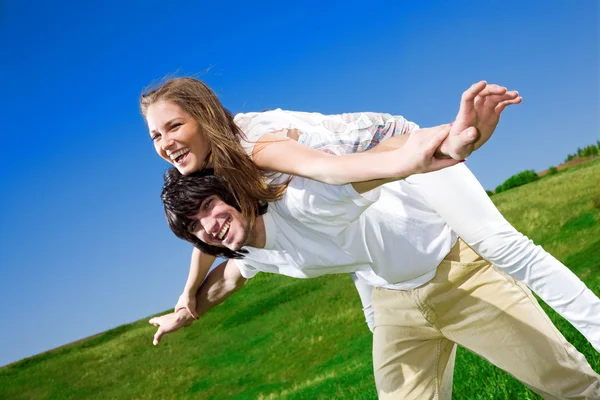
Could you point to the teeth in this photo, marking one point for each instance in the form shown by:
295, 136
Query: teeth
178, 153
224, 230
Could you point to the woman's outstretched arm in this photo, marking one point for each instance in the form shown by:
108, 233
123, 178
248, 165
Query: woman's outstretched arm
456, 195
481, 106
199, 266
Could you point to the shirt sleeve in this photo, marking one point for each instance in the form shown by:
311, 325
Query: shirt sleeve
461, 201
246, 269
256, 124
334, 134
365, 291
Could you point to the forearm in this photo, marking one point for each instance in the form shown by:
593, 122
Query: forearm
199, 266
222, 282
390, 144
273, 153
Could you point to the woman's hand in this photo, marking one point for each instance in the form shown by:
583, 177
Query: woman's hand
187, 302
418, 153
416, 156
170, 323
480, 107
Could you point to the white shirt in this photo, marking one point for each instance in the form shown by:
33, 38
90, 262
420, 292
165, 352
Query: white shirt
318, 229
458, 199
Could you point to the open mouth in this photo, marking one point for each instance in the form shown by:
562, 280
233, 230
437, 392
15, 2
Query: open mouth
180, 155
224, 230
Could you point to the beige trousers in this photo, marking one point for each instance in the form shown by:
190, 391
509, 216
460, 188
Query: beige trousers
471, 303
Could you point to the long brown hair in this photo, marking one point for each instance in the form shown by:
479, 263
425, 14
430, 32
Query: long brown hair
229, 160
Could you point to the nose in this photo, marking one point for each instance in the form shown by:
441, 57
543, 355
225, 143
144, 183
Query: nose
166, 142
209, 225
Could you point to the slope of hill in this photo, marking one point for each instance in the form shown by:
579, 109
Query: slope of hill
281, 338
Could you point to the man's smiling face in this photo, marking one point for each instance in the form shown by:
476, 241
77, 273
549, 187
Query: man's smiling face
219, 224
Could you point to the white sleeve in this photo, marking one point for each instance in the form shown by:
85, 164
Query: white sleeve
324, 205
460, 200
335, 134
365, 292
256, 124
246, 269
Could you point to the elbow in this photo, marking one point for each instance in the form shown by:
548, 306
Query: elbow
240, 283
235, 284
330, 180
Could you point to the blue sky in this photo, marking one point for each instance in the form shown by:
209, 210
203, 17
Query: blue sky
84, 246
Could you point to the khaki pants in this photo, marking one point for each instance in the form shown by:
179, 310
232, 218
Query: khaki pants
472, 304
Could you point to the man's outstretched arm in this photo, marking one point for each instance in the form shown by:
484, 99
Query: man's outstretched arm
221, 283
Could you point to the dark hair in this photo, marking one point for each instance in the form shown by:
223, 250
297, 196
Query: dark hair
182, 196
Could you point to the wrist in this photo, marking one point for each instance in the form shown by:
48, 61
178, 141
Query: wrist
185, 317
396, 165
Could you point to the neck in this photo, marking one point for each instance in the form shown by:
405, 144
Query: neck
258, 236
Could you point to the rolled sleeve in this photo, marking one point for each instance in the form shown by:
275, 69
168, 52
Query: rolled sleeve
246, 270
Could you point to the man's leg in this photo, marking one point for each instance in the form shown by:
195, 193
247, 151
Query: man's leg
411, 359
489, 313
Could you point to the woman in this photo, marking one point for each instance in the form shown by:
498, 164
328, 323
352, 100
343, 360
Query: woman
192, 130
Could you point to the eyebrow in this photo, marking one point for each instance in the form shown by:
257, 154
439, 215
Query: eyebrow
168, 123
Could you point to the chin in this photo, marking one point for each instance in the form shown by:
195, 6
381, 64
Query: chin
234, 247
186, 169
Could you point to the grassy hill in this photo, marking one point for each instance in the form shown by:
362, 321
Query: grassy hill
281, 338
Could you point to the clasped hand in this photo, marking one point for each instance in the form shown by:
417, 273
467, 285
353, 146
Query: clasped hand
480, 107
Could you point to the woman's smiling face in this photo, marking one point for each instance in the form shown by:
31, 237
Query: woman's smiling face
177, 136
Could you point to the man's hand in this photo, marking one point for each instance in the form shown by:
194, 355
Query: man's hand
169, 323
187, 302
480, 107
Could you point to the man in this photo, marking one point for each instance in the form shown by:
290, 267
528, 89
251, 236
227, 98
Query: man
432, 291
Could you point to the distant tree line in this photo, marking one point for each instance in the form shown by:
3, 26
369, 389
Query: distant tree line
530, 175
587, 151
518, 180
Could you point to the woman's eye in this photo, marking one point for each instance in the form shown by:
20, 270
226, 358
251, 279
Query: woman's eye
193, 226
207, 204
175, 126
155, 137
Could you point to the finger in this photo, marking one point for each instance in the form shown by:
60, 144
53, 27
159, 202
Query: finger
502, 105
464, 144
152, 321
490, 90
474, 90
468, 136
479, 100
157, 336
437, 139
493, 100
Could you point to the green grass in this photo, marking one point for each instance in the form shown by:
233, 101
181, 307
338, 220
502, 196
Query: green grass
281, 338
